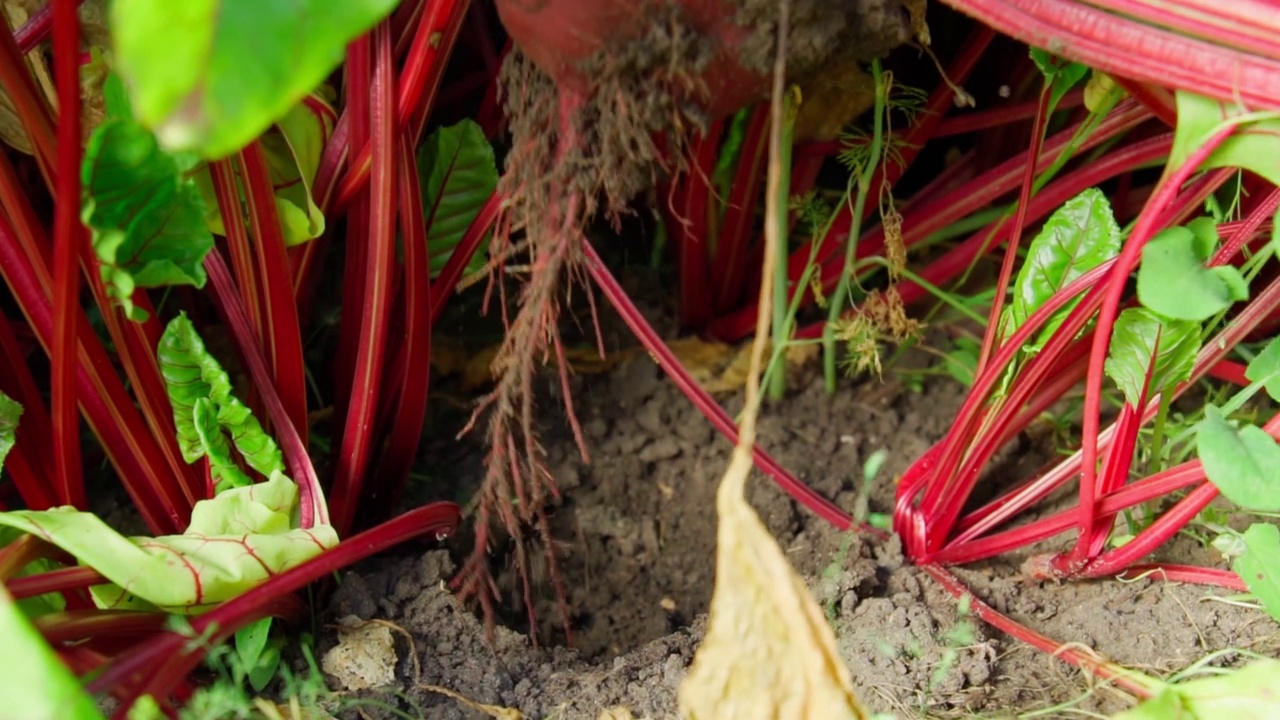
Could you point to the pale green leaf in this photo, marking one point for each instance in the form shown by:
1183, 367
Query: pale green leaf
1139, 337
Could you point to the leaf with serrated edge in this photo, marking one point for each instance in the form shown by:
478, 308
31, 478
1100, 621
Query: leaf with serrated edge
191, 374
1139, 336
459, 174
1078, 237
146, 218
235, 541
1244, 464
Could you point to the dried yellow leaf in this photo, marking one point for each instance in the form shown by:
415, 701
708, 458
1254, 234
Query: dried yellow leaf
497, 712
768, 652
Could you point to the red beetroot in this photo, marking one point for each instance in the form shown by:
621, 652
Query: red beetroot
559, 35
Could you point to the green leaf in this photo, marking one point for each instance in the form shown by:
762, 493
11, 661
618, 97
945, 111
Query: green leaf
204, 409
1078, 237
1059, 73
1265, 368
1245, 694
211, 75
235, 541
259, 656
1174, 282
1259, 565
1253, 146
146, 218
293, 147
1244, 464
34, 683
1141, 336
458, 174
10, 413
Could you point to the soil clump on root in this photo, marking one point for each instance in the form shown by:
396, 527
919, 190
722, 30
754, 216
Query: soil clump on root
581, 156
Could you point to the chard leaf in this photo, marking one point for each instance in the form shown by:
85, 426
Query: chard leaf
1244, 694
459, 173
1244, 464
235, 541
1265, 368
205, 412
211, 75
1078, 237
10, 413
146, 218
1059, 73
293, 147
1259, 565
34, 682
1141, 338
1174, 282
1253, 146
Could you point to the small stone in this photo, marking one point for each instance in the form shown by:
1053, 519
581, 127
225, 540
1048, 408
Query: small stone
365, 656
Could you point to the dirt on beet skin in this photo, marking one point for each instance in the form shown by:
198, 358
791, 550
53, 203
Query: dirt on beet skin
636, 533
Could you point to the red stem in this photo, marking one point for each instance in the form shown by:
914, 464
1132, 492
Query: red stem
1146, 227
692, 224
728, 272
720, 419
31, 107
1118, 45
67, 235
69, 578
280, 335
353, 459
314, 511
29, 474
992, 334
411, 401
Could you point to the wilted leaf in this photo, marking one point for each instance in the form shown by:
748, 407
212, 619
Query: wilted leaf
235, 541
768, 652
209, 419
211, 75
1139, 337
147, 219
1259, 565
1174, 281
1079, 236
459, 174
1253, 146
1250, 693
497, 712
34, 683
1244, 464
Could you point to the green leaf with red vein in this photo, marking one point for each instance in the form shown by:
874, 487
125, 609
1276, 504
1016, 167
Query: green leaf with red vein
210, 420
1254, 146
146, 217
459, 174
1143, 341
211, 75
34, 682
10, 413
1078, 237
235, 541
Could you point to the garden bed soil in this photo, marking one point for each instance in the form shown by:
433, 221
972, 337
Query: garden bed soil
636, 532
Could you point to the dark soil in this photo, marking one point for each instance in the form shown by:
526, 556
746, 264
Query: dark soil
637, 533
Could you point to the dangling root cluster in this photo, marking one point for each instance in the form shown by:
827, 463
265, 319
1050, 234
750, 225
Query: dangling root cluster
571, 157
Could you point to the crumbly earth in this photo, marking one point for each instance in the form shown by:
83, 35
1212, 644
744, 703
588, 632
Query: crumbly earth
637, 532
